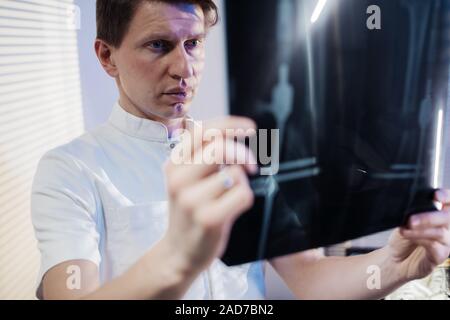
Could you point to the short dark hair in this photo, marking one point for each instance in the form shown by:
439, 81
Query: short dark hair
114, 16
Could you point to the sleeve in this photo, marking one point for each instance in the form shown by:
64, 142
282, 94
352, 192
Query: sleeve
63, 212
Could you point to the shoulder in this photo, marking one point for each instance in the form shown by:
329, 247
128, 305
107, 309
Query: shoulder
73, 160
88, 142
78, 150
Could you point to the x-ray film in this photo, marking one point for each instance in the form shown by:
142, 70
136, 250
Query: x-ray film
353, 94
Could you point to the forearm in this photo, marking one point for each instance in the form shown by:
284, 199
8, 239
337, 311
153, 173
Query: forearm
342, 277
158, 275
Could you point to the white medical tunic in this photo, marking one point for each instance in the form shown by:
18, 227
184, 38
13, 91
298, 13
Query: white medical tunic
102, 198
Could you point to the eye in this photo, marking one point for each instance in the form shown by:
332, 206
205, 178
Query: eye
159, 45
192, 44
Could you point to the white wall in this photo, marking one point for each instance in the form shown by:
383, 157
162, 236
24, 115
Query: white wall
98, 89
212, 100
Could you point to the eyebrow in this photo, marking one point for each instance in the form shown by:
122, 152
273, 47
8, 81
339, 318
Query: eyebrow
164, 36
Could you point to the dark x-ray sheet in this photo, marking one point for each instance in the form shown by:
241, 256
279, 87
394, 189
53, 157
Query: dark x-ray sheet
359, 95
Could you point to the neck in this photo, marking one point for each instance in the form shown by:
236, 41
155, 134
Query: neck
171, 124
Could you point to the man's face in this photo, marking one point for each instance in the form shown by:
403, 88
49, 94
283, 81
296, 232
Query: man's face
160, 61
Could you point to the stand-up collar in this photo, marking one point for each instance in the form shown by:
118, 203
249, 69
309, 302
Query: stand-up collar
139, 127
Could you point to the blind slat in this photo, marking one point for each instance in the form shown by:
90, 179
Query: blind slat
50, 3
16, 50
6, 31
31, 102
38, 90
33, 41
72, 79
59, 11
32, 16
28, 68
41, 25
16, 78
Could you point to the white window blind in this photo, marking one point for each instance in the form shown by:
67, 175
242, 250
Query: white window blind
40, 108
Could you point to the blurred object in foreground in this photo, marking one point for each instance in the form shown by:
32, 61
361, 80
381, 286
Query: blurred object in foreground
433, 287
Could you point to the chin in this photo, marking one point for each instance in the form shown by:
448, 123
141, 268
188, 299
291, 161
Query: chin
179, 112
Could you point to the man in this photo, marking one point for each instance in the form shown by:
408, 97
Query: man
113, 224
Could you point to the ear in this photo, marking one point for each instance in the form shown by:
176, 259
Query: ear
106, 57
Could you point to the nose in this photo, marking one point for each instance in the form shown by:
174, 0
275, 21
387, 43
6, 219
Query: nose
181, 64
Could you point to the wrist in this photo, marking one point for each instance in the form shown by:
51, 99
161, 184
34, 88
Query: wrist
393, 269
176, 261
168, 272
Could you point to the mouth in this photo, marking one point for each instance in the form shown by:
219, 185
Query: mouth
178, 96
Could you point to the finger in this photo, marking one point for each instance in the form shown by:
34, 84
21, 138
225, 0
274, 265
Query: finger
212, 187
435, 251
441, 235
226, 208
435, 219
207, 161
199, 134
223, 151
443, 196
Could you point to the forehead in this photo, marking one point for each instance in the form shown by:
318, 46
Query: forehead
178, 21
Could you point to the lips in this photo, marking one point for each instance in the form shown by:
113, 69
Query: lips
178, 96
